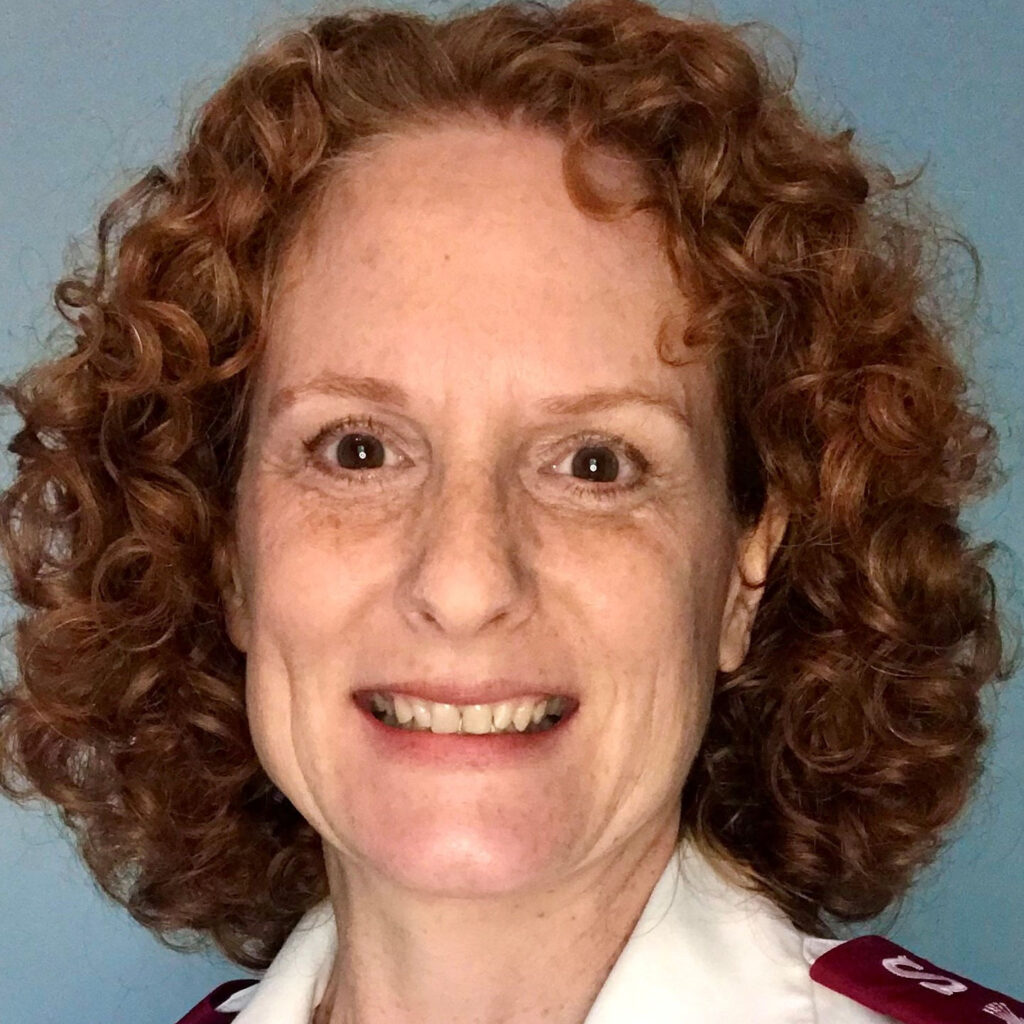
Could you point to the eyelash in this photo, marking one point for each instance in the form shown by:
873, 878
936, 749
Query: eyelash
598, 493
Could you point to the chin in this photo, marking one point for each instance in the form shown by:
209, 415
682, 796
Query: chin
462, 859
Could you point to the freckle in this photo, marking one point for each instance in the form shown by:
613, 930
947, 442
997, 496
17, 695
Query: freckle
347, 524
320, 519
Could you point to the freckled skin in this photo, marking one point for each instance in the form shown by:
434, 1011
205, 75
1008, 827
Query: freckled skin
468, 557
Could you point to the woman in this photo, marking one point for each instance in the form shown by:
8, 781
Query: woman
485, 594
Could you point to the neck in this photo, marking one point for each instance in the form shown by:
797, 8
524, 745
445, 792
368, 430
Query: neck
521, 957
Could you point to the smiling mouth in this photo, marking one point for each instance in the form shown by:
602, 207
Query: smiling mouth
528, 715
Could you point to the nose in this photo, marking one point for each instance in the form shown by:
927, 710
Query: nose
465, 570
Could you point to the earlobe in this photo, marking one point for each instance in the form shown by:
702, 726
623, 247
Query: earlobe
232, 592
237, 614
756, 549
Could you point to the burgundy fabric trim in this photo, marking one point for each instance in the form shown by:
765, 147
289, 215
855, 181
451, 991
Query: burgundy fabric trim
205, 1012
891, 980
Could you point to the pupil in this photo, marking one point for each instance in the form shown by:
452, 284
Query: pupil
605, 464
360, 451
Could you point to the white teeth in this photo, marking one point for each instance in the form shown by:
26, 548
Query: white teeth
403, 709
444, 718
477, 719
522, 716
503, 714
421, 712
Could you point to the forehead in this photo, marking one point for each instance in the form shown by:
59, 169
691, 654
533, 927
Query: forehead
456, 256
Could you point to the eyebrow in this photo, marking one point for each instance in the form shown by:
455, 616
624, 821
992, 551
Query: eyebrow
386, 392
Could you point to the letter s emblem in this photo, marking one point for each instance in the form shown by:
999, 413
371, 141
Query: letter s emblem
904, 967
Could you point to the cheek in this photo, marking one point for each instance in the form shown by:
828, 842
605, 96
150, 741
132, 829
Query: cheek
649, 613
312, 557
654, 586
301, 585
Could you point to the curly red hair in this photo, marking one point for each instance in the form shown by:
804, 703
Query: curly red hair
851, 735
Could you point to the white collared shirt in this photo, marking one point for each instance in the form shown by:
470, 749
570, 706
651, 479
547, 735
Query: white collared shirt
703, 951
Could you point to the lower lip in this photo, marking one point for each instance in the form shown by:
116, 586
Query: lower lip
459, 750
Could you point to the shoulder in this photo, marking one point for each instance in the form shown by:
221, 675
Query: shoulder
220, 1006
776, 973
873, 975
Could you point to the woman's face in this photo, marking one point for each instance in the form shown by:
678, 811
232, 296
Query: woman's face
483, 539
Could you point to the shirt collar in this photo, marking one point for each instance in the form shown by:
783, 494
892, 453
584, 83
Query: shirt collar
704, 950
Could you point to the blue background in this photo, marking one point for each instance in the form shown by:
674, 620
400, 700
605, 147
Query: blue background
92, 91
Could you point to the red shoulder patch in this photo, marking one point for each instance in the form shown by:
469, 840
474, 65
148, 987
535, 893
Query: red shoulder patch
891, 980
205, 1012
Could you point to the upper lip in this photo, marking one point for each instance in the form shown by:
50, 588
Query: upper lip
453, 691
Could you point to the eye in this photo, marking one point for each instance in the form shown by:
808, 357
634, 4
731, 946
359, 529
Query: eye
352, 447
595, 460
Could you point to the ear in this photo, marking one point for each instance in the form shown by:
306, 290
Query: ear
228, 576
755, 549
